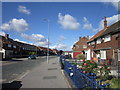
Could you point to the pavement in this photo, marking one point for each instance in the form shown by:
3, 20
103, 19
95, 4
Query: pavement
47, 75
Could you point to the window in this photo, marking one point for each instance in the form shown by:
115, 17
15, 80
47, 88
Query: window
93, 42
98, 40
77, 46
84, 46
103, 54
9, 45
107, 38
14, 46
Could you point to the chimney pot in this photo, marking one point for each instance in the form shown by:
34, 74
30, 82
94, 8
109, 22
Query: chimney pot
79, 38
6, 36
105, 23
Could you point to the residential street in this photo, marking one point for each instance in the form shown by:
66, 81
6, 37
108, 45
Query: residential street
16, 69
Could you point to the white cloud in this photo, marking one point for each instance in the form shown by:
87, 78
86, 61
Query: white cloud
87, 24
38, 39
62, 38
19, 41
115, 3
60, 46
68, 22
24, 10
110, 20
85, 20
19, 25
2, 33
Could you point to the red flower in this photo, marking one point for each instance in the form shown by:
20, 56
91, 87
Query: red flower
108, 62
83, 68
103, 64
83, 60
85, 64
108, 69
84, 71
91, 62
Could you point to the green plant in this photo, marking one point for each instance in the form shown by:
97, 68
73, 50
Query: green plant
80, 56
104, 71
89, 66
115, 83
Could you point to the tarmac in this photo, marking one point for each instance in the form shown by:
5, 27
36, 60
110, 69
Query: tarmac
47, 75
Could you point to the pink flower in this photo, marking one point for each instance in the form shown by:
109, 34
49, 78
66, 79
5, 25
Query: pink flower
85, 64
84, 71
83, 60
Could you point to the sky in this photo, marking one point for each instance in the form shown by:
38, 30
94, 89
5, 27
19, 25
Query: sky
28, 21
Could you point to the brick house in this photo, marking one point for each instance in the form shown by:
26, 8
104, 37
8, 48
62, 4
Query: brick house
70, 53
80, 46
11, 48
105, 45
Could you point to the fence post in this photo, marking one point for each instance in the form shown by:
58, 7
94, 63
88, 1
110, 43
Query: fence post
74, 74
93, 81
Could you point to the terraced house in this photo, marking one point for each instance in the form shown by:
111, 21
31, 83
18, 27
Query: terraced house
10, 48
105, 45
80, 46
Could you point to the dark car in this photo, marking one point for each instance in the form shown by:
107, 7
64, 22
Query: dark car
32, 57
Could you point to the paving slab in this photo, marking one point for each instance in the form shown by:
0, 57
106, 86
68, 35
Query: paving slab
47, 75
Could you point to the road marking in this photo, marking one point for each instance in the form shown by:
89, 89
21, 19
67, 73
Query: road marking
66, 80
20, 76
24, 74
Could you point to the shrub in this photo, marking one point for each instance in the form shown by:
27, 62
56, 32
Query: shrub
80, 56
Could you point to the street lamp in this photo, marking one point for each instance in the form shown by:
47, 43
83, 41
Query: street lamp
48, 37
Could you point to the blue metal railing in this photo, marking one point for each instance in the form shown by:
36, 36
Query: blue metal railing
80, 79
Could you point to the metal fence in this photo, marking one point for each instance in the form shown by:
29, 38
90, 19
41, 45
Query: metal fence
82, 80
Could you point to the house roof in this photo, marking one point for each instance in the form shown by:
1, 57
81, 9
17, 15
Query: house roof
112, 29
97, 35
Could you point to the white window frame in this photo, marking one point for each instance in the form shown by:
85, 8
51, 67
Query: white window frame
103, 54
14, 46
84, 46
107, 38
77, 46
9, 45
93, 42
99, 40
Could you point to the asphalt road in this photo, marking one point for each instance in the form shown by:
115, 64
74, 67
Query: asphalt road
19, 68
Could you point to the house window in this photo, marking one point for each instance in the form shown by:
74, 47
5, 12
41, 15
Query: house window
103, 54
77, 46
14, 46
107, 38
98, 40
93, 42
9, 45
84, 46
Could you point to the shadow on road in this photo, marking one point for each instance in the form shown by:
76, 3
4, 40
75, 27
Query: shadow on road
12, 60
15, 85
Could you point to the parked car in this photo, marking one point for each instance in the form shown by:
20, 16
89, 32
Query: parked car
32, 57
67, 57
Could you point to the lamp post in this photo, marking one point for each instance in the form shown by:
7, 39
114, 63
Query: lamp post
48, 38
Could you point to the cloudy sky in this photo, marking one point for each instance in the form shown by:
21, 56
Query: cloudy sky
25, 22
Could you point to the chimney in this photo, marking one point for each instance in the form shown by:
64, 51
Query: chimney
79, 38
105, 23
6, 36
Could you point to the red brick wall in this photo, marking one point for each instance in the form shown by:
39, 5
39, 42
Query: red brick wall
80, 43
114, 44
76, 53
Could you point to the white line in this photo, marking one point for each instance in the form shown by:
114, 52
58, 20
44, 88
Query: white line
66, 80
